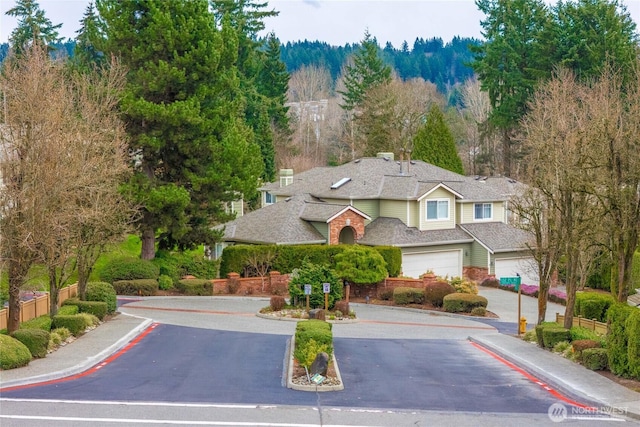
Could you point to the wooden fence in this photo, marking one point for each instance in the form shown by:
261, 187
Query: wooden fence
38, 306
594, 325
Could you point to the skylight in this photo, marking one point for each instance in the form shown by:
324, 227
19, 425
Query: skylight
340, 183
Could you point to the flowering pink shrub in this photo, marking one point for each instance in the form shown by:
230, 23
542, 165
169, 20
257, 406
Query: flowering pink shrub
555, 295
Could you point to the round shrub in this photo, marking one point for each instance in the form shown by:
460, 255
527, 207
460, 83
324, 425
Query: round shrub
406, 295
553, 335
276, 303
463, 303
490, 282
595, 359
40, 322
165, 282
128, 268
464, 286
140, 287
64, 333
13, 353
479, 311
434, 293
102, 291
36, 340
314, 275
195, 287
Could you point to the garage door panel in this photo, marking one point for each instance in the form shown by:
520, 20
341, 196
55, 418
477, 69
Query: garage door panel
523, 266
442, 263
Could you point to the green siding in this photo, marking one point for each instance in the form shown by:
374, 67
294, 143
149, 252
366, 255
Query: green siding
440, 193
479, 255
414, 214
467, 209
370, 207
323, 228
394, 209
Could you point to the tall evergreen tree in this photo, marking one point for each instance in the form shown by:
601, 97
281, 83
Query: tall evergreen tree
368, 71
588, 35
434, 143
510, 63
273, 83
183, 108
33, 27
246, 18
85, 53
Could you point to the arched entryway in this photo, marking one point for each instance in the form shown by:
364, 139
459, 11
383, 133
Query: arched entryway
347, 236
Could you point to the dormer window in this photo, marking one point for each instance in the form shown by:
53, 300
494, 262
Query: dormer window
438, 210
269, 198
482, 211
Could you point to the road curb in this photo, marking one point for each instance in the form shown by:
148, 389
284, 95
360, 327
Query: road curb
88, 362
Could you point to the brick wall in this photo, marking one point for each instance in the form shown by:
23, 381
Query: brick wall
273, 284
477, 274
348, 219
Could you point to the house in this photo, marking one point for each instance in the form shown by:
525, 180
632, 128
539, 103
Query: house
450, 224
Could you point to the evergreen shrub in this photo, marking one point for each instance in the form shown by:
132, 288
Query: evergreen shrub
463, 303
141, 287
76, 323
40, 322
13, 353
199, 287
36, 340
316, 330
406, 295
593, 305
102, 291
277, 303
633, 343
314, 275
617, 338
553, 335
595, 359
128, 268
69, 308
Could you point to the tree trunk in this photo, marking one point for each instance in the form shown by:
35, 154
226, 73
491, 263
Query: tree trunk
15, 281
543, 297
53, 293
347, 288
83, 277
148, 244
506, 153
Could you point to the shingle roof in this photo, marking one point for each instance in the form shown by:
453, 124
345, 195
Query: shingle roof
498, 236
393, 232
279, 223
377, 178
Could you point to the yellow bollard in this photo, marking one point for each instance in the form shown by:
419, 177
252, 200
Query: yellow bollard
523, 326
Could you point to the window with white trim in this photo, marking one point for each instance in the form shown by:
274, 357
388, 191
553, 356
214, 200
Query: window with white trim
437, 210
269, 198
483, 211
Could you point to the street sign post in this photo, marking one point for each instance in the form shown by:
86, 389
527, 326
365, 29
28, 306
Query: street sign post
516, 282
307, 292
326, 288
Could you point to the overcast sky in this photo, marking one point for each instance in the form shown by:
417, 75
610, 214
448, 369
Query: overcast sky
333, 21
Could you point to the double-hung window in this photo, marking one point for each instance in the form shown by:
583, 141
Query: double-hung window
437, 210
482, 211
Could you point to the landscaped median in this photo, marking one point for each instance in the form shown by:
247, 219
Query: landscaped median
312, 338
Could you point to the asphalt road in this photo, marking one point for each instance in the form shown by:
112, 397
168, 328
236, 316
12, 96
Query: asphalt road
224, 367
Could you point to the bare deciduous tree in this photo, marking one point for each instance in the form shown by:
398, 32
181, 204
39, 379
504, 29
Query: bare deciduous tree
63, 153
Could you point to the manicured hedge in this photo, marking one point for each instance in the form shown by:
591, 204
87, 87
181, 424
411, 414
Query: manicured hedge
618, 338
36, 340
128, 268
595, 358
76, 324
68, 308
540, 328
141, 287
102, 291
463, 303
633, 343
40, 322
405, 295
176, 265
553, 335
195, 287
312, 332
315, 275
97, 308
593, 305
434, 293
289, 257
13, 353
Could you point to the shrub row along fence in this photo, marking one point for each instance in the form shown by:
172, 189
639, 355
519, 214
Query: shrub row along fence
593, 325
38, 306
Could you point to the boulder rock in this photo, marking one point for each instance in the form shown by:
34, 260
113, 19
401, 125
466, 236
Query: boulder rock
320, 365
317, 313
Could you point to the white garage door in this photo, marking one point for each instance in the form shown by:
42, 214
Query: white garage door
445, 263
526, 267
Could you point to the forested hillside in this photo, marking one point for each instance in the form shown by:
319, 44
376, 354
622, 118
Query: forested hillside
431, 59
